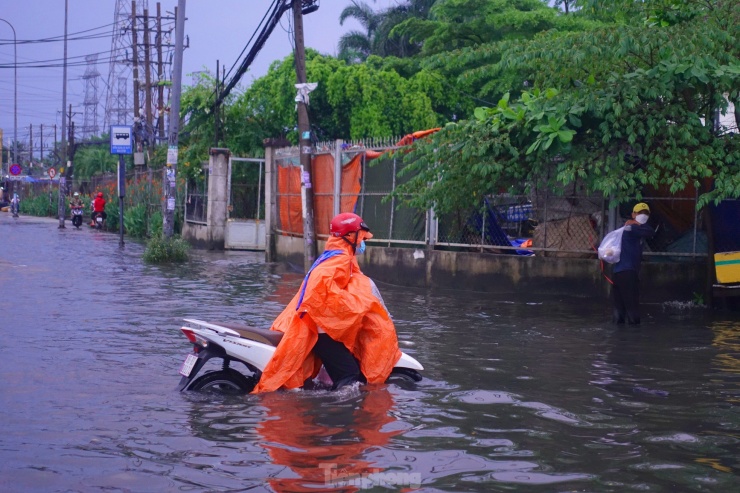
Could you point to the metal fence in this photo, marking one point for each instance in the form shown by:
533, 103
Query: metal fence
196, 198
246, 188
542, 222
142, 188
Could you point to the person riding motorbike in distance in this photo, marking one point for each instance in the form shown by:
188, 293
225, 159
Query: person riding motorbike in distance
15, 204
337, 318
74, 204
98, 206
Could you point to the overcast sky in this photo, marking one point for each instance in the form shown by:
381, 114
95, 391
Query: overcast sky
217, 30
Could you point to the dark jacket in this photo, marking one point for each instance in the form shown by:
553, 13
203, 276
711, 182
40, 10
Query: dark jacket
631, 255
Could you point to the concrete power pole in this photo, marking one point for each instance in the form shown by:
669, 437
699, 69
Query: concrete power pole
62, 179
135, 61
160, 78
169, 183
148, 77
304, 143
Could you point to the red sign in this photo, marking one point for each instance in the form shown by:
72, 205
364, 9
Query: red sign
52, 172
15, 169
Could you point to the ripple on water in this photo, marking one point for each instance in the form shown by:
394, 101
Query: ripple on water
542, 410
674, 438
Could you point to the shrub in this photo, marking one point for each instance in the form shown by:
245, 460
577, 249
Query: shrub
155, 224
160, 250
135, 221
39, 205
111, 210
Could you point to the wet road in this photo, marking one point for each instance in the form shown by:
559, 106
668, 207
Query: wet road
522, 395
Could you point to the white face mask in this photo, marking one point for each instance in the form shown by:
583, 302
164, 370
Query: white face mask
641, 218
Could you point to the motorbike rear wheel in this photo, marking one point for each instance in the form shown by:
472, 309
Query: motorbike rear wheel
228, 382
404, 377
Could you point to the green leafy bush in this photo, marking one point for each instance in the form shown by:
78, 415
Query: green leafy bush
39, 205
111, 210
135, 221
161, 250
155, 224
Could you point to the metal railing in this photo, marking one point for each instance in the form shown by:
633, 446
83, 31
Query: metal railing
541, 223
246, 188
196, 200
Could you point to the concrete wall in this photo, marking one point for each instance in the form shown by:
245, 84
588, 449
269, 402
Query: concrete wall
196, 235
661, 281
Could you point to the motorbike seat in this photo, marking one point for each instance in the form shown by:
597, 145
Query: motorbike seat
265, 336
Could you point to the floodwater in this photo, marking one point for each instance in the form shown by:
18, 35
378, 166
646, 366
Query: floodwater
519, 395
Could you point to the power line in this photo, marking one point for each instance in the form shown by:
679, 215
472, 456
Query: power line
278, 9
251, 38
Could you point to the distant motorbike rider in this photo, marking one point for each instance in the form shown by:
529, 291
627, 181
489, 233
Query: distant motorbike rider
76, 203
98, 208
337, 318
15, 205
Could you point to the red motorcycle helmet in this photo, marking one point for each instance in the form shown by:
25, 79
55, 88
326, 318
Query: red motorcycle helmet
346, 223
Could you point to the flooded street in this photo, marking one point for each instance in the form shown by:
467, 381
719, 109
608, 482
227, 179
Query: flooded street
519, 395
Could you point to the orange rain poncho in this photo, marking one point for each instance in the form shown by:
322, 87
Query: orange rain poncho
338, 298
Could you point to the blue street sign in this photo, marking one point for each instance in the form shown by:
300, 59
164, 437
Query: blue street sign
121, 139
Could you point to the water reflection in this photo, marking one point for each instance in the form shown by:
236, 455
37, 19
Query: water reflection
324, 440
727, 359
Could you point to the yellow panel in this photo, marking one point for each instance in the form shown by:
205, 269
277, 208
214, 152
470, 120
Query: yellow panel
727, 266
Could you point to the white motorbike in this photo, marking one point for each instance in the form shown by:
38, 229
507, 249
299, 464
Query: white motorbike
253, 348
77, 216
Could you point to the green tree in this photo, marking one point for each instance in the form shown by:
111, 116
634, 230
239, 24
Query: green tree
467, 41
630, 106
379, 37
355, 46
350, 102
93, 160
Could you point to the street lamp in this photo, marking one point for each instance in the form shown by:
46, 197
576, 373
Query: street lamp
15, 95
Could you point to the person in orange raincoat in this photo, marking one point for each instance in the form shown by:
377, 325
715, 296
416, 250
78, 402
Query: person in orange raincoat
337, 318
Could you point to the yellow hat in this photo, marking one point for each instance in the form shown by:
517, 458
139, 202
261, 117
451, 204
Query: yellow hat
642, 206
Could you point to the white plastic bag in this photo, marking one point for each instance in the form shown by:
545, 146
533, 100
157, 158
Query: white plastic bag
611, 246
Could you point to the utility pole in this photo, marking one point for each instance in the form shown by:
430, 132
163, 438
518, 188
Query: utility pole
135, 61
169, 183
15, 97
30, 145
41, 138
304, 143
160, 76
217, 112
148, 76
70, 144
62, 179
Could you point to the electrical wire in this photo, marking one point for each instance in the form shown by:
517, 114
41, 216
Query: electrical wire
278, 10
251, 37
55, 38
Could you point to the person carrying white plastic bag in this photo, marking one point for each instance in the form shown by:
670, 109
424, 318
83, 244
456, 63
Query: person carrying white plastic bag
611, 246
625, 279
